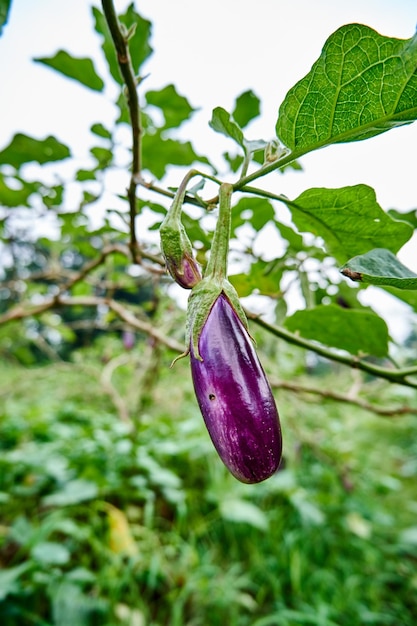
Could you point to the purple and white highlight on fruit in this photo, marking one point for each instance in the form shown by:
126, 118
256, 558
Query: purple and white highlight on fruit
234, 396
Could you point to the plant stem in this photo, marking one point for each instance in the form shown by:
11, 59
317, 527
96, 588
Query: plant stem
128, 74
217, 264
176, 207
399, 376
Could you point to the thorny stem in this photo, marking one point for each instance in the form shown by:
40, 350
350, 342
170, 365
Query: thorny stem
125, 64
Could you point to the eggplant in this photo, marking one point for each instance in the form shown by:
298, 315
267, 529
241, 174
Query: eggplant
183, 268
175, 244
234, 395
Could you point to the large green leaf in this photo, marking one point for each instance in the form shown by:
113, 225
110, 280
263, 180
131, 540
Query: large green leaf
81, 70
349, 220
362, 84
359, 332
23, 149
4, 13
380, 267
16, 195
176, 108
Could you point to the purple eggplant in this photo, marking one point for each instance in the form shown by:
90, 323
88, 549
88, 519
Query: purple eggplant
175, 244
234, 395
177, 250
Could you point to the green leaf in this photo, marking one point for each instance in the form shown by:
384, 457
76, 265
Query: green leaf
176, 108
101, 131
247, 107
263, 277
103, 156
9, 578
4, 13
409, 296
349, 220
409, 216
23, 149
81, 70
83, 175
73, 492
244, 512
139, 46
51, 553
363, 84
159, 153
255, 211
12, 196
107, 44
222, 122
359, 332
380, 267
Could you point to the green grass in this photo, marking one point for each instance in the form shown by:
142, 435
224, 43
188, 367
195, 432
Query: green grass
110, 523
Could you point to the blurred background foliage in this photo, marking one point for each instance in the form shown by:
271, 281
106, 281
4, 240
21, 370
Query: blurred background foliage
114, 507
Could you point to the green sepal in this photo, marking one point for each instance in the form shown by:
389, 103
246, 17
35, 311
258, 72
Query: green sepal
175, 243
201, 301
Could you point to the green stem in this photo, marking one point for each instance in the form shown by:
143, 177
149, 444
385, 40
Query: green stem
217, 265
176, 207
119, 38
399, 376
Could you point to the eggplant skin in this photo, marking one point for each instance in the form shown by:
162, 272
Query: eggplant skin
235, 398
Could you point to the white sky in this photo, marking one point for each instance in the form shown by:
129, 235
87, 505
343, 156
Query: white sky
212, 51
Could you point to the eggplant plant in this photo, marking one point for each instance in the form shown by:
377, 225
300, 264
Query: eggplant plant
232, 390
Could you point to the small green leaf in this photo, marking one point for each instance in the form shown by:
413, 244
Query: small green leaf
176, 108
4, 13
83, 175
363, 84
222, 122
100, 131
81, 70
139, 46
103, 156
349, 220
380, 267
23, 149
359, 332
247, 107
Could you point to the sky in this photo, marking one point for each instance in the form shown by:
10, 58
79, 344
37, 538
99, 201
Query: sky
212, 51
